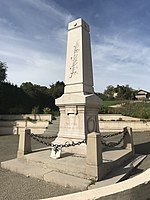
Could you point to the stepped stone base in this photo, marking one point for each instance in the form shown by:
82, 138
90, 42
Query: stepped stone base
70, 169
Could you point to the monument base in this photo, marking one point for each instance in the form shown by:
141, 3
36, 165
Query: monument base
78, 117
71, 170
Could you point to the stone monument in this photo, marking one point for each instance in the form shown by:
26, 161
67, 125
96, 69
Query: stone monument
78, 105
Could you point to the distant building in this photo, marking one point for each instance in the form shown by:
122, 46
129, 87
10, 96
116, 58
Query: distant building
142, 95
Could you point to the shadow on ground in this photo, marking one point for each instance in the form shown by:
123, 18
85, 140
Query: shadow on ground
143, 148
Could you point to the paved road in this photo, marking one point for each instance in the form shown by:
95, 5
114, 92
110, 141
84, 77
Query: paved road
14, 186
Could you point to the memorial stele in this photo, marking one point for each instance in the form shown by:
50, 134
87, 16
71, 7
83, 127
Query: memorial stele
78, 105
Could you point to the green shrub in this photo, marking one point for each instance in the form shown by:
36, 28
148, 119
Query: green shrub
35, 110
47, 110
129, 108
139, 110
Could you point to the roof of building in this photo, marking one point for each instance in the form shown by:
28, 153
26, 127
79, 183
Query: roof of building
144, 91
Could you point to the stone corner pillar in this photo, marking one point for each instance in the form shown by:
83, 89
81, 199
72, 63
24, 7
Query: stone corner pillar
94, 160
24, 143
128, 139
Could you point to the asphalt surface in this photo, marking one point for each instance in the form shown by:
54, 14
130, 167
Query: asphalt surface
14, 186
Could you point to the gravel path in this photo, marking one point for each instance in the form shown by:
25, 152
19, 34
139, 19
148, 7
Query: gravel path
14, 186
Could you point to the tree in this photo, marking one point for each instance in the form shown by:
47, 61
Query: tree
102, 96
39, 95
125, 92
57, 89
13, 99
3, 69
120, 92
109, 92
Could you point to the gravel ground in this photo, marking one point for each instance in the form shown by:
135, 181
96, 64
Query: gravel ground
14, 186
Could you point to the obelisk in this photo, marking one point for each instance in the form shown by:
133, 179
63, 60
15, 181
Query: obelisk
78, 105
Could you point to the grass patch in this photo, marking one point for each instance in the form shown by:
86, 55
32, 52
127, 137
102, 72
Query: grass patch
139, 109
110, 103
129, 108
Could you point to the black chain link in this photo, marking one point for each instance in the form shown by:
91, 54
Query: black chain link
114, 144
44, 137
55, 147
37, 138
112, 135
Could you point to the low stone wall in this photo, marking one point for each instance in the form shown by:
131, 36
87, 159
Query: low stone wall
39, 117
116, 117
137, 188
37, 127
107, 123
17, 127
114, 126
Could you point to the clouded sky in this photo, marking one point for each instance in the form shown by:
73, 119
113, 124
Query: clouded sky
33, 39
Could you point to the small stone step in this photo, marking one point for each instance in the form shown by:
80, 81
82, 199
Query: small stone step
66, 180
21, 167
49, 175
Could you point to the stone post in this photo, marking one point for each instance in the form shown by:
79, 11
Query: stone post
128, 139
94, 156
24, 143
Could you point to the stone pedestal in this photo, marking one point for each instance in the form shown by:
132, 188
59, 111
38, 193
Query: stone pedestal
78, 105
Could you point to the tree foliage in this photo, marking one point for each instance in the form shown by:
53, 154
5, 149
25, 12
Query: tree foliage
27, 97
13, 100
3, 69
57, 89
23, 99
121, 92
125, 92
109, 92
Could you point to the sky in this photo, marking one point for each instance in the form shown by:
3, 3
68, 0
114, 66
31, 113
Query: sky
33, 40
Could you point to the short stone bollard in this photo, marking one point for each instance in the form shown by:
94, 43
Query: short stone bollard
128, 139
24, 143
94, 156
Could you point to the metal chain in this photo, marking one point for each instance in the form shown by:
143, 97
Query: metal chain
113, 144
55, 147
38, 140
113, 134
44, 137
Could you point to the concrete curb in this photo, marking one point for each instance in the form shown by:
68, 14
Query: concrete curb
137, 188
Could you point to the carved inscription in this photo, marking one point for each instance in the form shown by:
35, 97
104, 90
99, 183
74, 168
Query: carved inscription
74, 59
